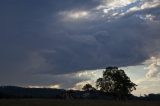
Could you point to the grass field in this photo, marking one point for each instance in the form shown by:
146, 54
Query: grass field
49, 102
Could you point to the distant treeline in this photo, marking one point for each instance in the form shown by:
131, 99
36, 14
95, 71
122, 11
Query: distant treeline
9, 92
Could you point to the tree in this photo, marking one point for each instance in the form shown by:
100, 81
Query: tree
88, 87
115, 81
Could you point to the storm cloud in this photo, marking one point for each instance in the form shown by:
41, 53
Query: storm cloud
56, 37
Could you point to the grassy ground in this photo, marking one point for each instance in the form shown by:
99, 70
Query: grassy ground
49, 102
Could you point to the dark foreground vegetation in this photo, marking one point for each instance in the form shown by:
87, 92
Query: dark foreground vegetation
51, 102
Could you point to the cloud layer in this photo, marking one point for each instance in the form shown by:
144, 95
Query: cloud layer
42, 39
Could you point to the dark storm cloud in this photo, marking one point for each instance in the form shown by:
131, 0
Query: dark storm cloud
35, 41
27, 43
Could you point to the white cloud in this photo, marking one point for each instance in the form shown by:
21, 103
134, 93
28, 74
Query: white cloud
74, 15
154, 68
122, 7
56, 86
114, 3
78, 14
89, 74
150, 4
147, 86
111, 6
133, 9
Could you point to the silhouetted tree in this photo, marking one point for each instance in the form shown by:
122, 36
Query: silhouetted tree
88, 87
115, 81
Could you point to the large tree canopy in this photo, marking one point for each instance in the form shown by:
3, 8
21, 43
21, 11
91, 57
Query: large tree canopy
115, 81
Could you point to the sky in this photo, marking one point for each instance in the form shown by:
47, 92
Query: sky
68, 43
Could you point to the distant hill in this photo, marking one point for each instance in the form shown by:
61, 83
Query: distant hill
19, 92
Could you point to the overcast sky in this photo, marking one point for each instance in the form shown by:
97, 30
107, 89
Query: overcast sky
53, 43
